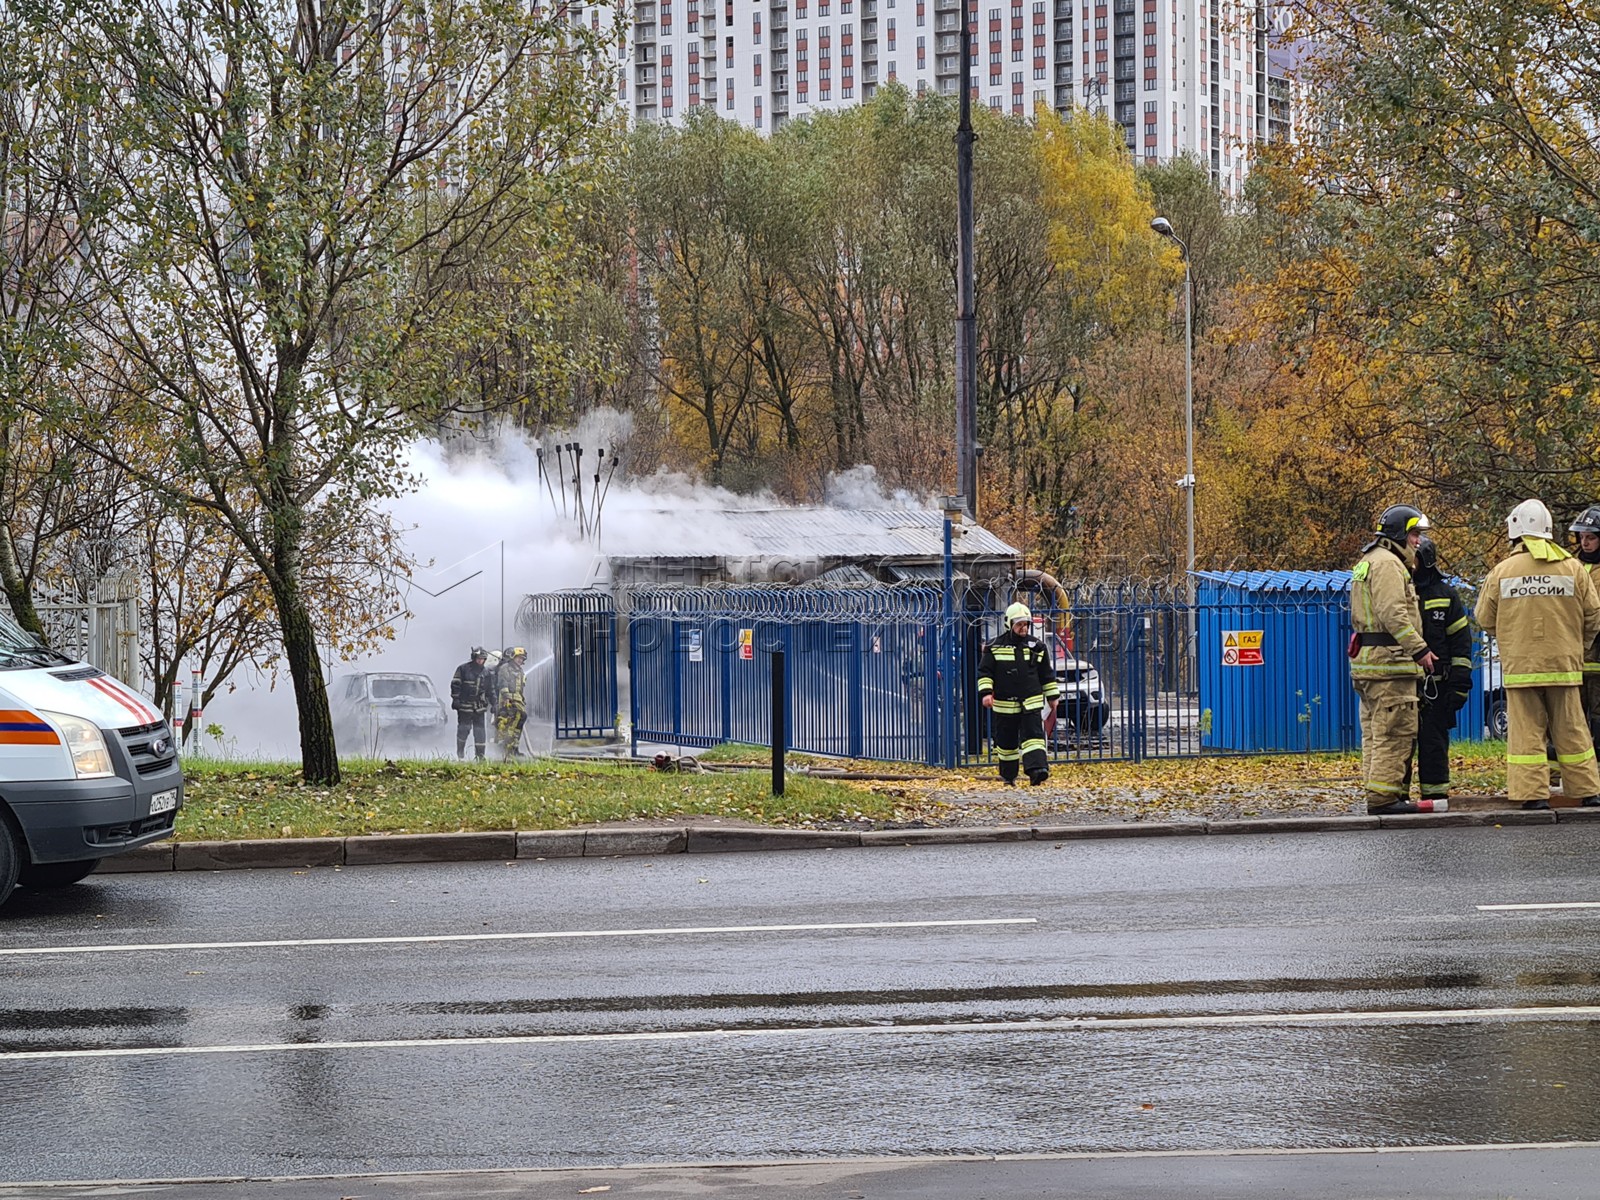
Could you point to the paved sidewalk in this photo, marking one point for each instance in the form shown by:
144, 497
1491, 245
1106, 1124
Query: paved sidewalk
612, 841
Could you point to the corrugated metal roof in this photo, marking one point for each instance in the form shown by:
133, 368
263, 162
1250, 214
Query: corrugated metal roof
786, 532
1279, 581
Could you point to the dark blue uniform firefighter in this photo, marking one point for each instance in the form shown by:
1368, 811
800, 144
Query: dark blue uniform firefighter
1448, 632
1015, 682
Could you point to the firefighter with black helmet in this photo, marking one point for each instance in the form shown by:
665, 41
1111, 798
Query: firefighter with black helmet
1388, 658
1448, 632
1015, 682
1587, 527
472, 694
1543, 611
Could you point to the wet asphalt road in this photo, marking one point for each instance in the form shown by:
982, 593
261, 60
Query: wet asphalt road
1337, 967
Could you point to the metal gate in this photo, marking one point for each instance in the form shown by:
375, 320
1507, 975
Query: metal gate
572, 655
105, 633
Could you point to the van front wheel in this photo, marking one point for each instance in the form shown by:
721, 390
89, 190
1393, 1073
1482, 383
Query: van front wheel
44, 876
10, 857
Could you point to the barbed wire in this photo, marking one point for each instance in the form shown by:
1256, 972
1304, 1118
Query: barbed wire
787, 602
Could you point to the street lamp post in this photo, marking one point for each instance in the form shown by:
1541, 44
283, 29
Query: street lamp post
1164, 227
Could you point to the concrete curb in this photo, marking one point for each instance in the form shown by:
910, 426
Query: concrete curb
376, 849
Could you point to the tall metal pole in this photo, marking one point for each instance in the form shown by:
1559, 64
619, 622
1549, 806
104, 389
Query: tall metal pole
1163, 228
1188, 406
966, 302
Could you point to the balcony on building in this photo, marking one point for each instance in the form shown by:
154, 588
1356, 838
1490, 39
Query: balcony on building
644, 12
644, 33
869, 73
1064, 73
644, 75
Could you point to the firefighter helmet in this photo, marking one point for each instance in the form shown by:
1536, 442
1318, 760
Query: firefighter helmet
1018, 612
1398, 520
1427, 553
1530, 519
479, 652
1588, 521
518, 652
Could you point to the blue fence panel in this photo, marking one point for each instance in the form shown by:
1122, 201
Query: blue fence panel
1273, 672
857, 688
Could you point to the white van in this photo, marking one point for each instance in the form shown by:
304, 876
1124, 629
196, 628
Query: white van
87, 767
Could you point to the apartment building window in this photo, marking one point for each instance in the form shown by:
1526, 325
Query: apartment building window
891, 33
822, 8
1150, 84
1149, 39
846, 92
1100, 45
1016, 54
1038, 72
1150, 107
994, 103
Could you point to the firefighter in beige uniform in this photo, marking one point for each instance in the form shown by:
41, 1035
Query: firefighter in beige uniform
1543, 611
1388, 657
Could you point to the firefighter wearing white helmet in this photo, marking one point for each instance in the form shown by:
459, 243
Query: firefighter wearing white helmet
1388, 658
1543, 611
1015, 682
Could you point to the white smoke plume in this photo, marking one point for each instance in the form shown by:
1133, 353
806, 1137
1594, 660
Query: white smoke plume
486, 530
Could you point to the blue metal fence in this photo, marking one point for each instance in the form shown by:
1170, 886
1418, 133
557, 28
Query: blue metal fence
859, 683
890, 674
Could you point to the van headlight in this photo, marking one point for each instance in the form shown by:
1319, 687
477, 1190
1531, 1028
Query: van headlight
90, 758
1092, 681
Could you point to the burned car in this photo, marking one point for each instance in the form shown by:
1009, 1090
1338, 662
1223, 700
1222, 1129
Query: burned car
387, 713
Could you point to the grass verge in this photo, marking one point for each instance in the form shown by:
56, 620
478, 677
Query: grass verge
241, 800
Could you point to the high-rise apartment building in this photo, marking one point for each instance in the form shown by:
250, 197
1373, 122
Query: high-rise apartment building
1191, 77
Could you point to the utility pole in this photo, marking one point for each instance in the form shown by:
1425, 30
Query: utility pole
966, 287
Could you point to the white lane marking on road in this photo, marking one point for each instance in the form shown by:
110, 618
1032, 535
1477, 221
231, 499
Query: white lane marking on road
1049, 1025
1533, 907
540, 935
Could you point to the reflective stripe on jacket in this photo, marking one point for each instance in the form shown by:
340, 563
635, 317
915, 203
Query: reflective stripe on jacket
1446, 628
1383, 600
1543, 610
1019, 673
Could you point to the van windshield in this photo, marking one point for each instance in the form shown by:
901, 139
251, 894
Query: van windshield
19, 648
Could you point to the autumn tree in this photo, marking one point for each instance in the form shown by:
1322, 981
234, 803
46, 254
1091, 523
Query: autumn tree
1436, 244
301, 195
47, 209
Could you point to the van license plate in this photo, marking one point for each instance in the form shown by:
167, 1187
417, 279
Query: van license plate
164, 801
